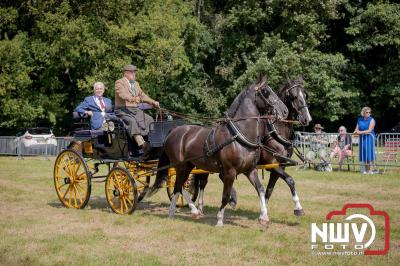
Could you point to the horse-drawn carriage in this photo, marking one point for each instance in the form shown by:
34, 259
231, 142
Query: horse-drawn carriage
128, 175
229, 148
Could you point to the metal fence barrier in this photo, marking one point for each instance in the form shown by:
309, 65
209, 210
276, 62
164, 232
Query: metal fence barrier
14, 146
388, 149
380, 152
372, 154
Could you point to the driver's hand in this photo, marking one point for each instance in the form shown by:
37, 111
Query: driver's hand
156, 104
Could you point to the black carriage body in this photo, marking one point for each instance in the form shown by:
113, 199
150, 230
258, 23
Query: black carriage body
115, 144
159, 131
100, 144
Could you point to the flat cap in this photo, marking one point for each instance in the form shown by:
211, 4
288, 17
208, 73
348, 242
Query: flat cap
129, 68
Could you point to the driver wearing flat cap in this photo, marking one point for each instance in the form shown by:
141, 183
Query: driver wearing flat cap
128, 95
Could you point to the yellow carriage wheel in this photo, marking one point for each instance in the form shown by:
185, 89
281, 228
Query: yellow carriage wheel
189, 186
121, 192
142, 179
72, 179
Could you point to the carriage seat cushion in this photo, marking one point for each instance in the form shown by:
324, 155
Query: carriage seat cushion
84, 120
76, 116
87, 134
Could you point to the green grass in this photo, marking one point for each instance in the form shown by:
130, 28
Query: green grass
36, 230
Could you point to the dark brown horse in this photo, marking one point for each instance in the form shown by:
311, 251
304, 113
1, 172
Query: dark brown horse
294, 97
230, 148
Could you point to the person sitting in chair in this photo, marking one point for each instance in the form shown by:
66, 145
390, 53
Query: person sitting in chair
128, 95
318, 145
343, 146
96, 107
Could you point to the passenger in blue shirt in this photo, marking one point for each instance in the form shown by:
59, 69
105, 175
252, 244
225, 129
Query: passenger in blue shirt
95, 106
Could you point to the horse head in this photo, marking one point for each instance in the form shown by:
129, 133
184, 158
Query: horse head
267, 101
294, 96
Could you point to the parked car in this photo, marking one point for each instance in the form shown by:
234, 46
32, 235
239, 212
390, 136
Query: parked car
35, 138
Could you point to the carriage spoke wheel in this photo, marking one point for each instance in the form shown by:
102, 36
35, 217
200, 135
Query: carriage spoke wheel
142, 181
189, 186
121, 192
72, 179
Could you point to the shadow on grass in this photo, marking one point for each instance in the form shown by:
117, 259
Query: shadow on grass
238, 217
97, 203
100, 203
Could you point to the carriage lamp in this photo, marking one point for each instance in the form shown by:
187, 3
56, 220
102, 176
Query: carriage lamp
87, 146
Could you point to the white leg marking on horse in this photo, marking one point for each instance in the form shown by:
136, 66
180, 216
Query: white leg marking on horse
296, 201
263, 208
193, 208
220, 218
172, 206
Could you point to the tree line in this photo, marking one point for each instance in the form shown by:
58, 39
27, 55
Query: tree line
194, 56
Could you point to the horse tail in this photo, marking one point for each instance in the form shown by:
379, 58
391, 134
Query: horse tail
162, 175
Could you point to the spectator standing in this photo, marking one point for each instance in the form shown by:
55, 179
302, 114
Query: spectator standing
365, 128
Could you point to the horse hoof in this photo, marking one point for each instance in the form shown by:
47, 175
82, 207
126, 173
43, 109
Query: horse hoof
299, 212
196, 216
219, 224
232, 204
264, 222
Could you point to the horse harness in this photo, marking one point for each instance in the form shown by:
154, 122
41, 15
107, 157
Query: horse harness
211, 147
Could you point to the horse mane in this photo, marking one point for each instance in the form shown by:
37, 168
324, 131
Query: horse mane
238, 100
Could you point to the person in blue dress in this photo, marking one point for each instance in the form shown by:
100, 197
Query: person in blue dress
365, 128
96, 107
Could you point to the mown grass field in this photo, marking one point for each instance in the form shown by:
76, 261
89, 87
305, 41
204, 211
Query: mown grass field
36, 230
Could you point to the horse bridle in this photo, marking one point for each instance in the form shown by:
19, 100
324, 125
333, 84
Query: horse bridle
291, 97
261, 91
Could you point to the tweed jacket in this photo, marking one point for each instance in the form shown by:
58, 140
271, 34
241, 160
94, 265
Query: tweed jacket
124, 97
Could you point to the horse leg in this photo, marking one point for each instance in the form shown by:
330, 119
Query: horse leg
193, 209
202, 180
298, 210
172, 206
182, 174
274, 176
255, 181
233, 198
271, 184
228, 180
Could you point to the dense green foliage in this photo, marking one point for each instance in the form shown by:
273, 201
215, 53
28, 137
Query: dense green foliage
195, 56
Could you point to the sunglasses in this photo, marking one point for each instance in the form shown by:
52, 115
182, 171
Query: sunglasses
368, 112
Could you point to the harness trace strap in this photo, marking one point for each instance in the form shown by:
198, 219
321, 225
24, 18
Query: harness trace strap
210, 120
